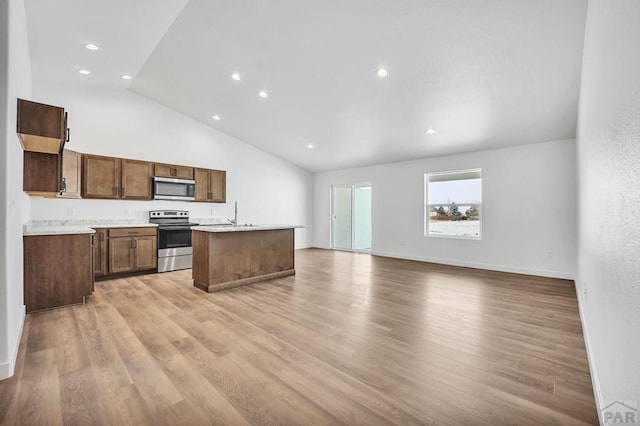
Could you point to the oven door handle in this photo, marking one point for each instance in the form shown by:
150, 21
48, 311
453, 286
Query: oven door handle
174, 228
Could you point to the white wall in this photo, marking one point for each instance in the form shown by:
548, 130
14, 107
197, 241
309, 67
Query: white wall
123, 124
608, 152
528, 209
16, 80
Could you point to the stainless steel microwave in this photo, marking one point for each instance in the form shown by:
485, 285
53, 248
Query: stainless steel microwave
174, 189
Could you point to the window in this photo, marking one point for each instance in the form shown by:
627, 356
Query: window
453, 203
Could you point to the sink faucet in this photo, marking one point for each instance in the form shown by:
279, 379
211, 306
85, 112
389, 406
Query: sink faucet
234, 222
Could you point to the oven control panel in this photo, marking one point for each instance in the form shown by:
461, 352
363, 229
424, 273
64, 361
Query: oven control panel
168, 213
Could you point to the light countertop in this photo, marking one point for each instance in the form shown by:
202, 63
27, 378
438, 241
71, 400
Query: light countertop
243, 228
61, 227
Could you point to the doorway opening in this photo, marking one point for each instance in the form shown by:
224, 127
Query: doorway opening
351, 217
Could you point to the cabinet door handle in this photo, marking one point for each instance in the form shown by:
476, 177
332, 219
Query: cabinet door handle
93, 240
135, 243
68, 135
174, 172
63, 186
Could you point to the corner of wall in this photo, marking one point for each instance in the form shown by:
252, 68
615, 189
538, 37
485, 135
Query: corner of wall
8, 367
595, 381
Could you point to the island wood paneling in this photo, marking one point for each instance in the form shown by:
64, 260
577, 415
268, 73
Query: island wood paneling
224, 260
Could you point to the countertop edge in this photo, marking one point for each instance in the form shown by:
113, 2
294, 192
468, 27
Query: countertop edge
28, 230
220, 229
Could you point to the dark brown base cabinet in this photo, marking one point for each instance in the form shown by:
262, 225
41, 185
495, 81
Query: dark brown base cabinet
58, 270
101, 258
131, 250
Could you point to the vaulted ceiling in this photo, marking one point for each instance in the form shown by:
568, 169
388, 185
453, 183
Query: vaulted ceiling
482, 74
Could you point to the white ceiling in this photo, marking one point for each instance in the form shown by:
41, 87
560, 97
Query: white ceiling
484, 73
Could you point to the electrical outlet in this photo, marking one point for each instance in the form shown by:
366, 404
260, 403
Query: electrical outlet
71, 211
585, 290
549, 255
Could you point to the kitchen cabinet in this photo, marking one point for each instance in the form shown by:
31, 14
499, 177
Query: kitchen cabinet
100, 177
58, 270
100, 253
136, 180
116, 178
132, 249
41, 128
71, 174
172, 171
211, 185
41, 174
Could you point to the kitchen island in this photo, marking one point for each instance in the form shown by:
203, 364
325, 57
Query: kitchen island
231, 256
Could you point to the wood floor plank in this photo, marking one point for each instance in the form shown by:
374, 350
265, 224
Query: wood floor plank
350, 339
202, 395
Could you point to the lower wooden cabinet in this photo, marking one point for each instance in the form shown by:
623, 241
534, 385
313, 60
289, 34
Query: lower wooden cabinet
131, 250
100, 255
58, 270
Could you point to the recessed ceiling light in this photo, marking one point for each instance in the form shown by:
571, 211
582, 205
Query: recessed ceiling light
84, 72
235, 76
263, 94
126, 77
310, 146
430, 132
216, 117
382, 72
91, 46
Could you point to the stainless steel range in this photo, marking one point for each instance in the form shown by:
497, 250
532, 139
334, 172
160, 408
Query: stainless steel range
174, 239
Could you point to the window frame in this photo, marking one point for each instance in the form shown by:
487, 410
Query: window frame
427, 206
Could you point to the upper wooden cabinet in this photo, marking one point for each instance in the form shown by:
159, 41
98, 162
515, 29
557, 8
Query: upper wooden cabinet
42, 128
211, 185
136, 180
71, 174
41, 174
116, 178
101, 177
171, 171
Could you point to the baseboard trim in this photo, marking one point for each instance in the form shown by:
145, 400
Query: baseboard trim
595, 381
8, 367
478, 265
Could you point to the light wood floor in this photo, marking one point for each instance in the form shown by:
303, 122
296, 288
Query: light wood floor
351, 339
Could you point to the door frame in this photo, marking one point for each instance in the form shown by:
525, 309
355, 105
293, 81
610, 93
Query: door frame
352, 187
